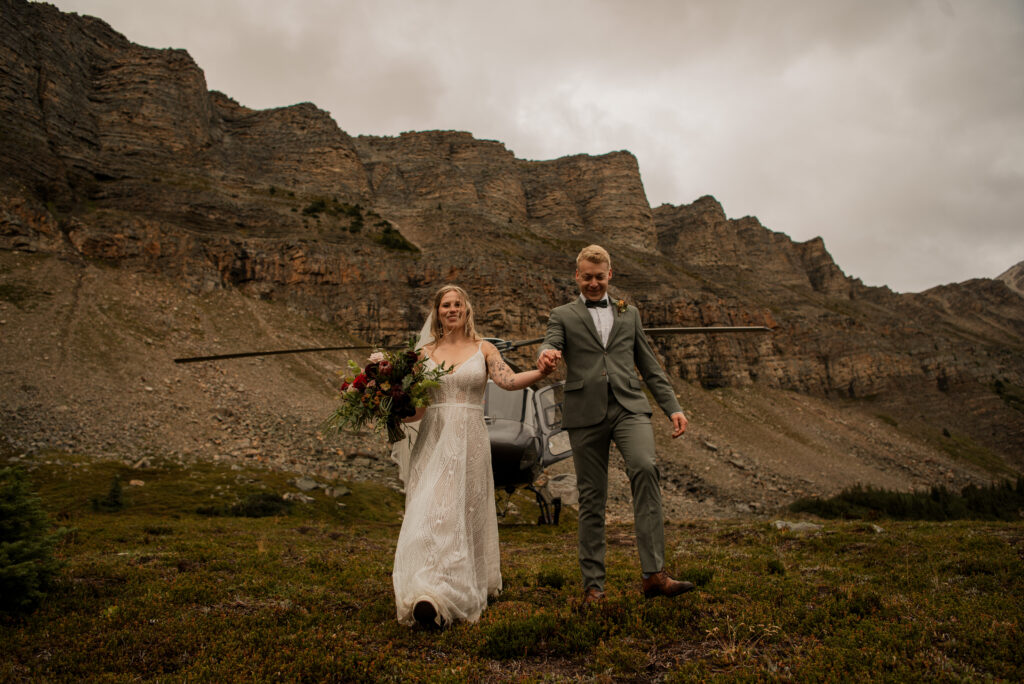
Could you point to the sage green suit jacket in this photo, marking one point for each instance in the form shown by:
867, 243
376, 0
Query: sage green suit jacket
591, 366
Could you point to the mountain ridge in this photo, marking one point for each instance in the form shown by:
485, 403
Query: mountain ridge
1014, 278
123, 157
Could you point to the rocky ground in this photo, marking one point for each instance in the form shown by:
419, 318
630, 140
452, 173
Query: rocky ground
87, 362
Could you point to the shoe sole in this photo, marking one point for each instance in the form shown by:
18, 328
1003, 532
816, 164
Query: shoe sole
651, 593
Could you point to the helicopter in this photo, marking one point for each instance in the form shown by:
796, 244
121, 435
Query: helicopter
524, 426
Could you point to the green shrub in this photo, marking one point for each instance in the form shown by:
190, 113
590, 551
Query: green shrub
518, 637
701, 577
315, 207
551, 577
998, 501
392, 239
27, 564
258, 505
1012, 394
113, 501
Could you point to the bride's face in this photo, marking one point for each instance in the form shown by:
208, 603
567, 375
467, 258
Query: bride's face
451, 311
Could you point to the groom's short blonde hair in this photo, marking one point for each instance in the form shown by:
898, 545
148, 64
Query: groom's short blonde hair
595, 254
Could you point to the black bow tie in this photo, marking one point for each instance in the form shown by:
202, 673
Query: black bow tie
600, 303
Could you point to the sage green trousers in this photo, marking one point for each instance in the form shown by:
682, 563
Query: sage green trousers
634, 436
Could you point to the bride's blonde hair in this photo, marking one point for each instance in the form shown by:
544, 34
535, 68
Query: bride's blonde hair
469, 328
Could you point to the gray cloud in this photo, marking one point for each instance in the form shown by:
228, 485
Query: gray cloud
894, 130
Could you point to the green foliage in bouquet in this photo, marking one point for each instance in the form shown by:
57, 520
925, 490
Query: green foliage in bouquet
27, 564
390, 387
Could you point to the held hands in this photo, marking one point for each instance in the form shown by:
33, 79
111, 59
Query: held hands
679, 423
548, 361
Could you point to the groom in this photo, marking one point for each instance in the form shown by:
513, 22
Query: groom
603, 345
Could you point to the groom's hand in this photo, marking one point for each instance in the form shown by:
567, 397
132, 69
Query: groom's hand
679, 423
548, 360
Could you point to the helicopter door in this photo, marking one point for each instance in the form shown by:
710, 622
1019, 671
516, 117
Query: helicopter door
513, 436
548, 403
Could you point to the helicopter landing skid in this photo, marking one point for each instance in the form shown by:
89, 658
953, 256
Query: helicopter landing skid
550, 510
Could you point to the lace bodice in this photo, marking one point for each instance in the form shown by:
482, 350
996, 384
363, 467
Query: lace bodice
464, 385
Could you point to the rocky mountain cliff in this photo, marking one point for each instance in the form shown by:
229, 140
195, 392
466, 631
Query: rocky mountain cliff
116, 154
1014, 278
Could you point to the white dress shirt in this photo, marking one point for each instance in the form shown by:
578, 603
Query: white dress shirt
603, 319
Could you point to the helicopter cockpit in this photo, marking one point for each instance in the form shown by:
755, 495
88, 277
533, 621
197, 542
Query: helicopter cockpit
525, 428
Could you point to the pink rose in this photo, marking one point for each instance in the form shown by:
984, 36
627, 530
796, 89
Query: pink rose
376, 357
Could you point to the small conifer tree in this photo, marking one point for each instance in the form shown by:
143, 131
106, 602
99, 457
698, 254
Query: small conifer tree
113, 501
27, 563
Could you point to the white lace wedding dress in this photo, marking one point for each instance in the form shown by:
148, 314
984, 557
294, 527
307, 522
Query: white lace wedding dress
448, 548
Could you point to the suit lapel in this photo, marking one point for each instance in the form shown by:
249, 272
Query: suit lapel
580, 310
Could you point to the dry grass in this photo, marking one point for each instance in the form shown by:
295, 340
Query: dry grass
157, 591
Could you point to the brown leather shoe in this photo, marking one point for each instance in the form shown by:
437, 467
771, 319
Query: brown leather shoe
592, 595
660, 584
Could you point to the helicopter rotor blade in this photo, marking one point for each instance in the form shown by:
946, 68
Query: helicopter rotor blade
707, 329
506, 345
273, 352
524, 343
502, 345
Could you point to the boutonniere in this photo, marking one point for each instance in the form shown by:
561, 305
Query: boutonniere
620, 304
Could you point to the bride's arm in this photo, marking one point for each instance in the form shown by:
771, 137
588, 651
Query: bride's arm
503, 376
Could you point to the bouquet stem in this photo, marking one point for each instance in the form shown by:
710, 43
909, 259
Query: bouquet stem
396, 433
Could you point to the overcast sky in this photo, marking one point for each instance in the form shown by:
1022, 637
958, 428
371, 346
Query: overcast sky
893, 129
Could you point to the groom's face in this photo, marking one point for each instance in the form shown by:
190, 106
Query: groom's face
593, 279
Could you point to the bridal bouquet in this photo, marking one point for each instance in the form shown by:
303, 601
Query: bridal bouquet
390, 387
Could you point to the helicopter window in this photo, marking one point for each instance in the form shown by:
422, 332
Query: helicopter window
553, 415
559, 444
504, 405
550, 406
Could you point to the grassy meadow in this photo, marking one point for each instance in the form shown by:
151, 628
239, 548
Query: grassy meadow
157, 591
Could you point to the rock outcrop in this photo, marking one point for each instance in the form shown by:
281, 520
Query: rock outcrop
1014, 278
117, 153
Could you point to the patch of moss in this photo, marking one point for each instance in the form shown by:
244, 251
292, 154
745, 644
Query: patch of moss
390, 238
1010, 393
963, 448
21, 296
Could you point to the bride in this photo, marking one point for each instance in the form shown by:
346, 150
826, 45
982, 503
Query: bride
447, 561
